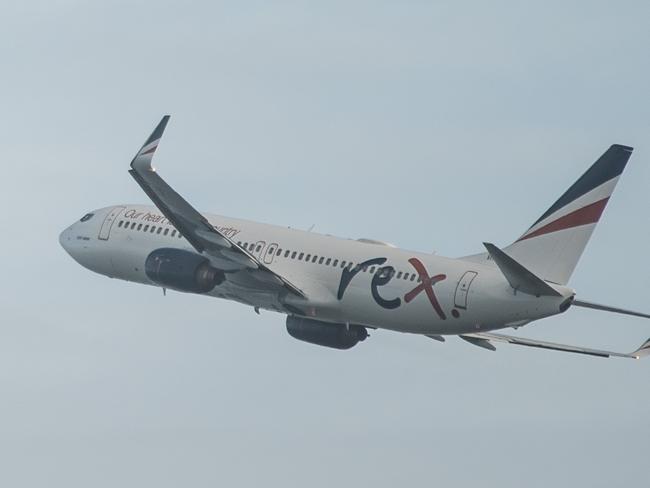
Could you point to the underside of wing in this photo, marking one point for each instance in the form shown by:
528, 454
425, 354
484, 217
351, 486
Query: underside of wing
485, 340
195, 227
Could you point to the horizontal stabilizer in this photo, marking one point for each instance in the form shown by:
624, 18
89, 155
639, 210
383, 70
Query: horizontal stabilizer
607, 308
520, 278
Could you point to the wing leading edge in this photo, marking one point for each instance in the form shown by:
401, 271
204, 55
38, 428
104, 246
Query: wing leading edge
190, 223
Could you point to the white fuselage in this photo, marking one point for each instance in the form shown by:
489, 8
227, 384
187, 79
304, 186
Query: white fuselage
426, 294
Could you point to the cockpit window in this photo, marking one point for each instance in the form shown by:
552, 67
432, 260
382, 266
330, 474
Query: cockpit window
87, 217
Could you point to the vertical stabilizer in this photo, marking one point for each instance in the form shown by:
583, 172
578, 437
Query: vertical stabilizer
552, 246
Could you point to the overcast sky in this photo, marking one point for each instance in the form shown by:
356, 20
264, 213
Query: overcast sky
433, 125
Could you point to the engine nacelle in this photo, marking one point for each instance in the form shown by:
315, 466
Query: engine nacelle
325, 334
182, 270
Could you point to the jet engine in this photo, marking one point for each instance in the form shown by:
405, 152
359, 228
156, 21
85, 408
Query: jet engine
338, 336
182, 270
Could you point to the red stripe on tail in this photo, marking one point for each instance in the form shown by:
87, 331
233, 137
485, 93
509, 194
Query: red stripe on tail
583, 216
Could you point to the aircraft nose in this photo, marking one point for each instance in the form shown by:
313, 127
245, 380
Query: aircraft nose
65, 239
79, 242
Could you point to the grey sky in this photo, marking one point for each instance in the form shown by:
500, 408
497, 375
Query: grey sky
432, 125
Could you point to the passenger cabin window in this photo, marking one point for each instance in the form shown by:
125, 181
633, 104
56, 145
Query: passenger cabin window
278, 252
159, 230
307, 258
320, 261
166, 231
385, 272
313, 260
139, 226
300, 256
293, 255
335, 263
133, 226
119, 224
146, 228
286, 254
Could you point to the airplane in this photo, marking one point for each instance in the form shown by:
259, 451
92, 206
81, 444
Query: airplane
333, 290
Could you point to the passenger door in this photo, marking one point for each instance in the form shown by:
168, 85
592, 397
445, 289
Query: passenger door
462, 289
105, 231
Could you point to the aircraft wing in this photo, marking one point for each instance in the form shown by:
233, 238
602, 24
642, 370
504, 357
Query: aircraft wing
191, 224
485, 339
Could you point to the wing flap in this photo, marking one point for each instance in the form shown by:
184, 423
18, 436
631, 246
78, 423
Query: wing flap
642, 351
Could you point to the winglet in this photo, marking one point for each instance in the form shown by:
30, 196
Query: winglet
643, 351
520, 278
142, 160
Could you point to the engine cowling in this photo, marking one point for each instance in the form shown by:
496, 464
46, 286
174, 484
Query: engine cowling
326, 334
182, 270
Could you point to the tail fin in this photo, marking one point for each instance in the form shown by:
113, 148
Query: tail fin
552, 246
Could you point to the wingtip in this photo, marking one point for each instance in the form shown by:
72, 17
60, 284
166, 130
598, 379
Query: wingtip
159, 130
642, 351
623, 147
142, 160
